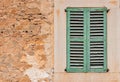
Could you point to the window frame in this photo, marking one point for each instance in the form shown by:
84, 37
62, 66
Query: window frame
86, 34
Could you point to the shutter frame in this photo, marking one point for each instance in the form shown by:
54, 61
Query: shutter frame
104, 39
68, 69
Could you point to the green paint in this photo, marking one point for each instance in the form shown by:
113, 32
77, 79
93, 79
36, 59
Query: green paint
105, 39
68, 40
86, 40
99, 39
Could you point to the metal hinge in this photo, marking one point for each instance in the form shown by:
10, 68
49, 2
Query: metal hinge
107, 70
65, 70
65, 10
108, 10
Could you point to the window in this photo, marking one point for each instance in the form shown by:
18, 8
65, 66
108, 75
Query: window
86, 40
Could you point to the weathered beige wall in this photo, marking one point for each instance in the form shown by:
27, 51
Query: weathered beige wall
26, 40
113, 42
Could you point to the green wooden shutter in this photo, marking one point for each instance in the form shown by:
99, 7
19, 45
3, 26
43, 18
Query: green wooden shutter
97, 40
75, 40
86, 40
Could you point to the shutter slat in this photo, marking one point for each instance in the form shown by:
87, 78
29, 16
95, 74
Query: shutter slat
76, 19
76, 55
94, 19
74, 22
75, 58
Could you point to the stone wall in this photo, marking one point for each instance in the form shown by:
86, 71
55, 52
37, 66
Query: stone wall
26, 40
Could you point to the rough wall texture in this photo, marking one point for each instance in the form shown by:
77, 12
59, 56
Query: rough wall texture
26, 40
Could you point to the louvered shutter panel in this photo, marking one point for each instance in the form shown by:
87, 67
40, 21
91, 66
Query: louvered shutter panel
97, 39
86, 40
75, 40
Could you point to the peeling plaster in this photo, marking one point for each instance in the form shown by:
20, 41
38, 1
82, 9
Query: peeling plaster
35, 74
